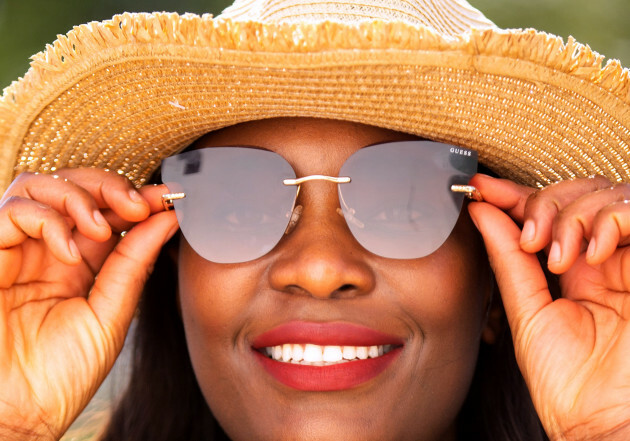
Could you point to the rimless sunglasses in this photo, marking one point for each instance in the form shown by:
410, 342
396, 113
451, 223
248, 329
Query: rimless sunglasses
401, 200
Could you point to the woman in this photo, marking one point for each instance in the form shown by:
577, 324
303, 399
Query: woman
316, 101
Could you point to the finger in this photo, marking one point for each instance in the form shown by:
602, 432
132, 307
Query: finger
543, 206
10, 266
520, 278
22, 218
152, 194
504, 194
572, 227
611, 229
94, 256
110, 191
94, 253
118, 287
65, 197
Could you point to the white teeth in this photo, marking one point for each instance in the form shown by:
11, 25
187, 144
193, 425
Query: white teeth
362, 352
332, 354
287, 351
322, 355
298, 353
312, 353
277, 352
349, 352
373, 352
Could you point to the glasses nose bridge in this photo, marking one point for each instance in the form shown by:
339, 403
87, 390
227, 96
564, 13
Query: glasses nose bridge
297, 182
334, 179
296, 210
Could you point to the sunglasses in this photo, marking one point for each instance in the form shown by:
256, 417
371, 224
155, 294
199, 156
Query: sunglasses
400, 200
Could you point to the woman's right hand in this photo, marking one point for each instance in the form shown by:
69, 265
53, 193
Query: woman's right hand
61, 326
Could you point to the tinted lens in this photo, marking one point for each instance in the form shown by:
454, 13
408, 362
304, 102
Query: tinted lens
400, 204
236, 207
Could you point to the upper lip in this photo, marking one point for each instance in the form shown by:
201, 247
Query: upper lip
324, 334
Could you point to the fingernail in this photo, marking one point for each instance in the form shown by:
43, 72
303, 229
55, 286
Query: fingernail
99, 219
74, 249
592, 249
555, 253
529, 231
136, 197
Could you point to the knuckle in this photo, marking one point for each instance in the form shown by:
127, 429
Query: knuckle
18, 183
538, 200
600, 179
25, 176
120, 180
15, 203
619, 206
534, 198
566, 221
622, 189
77, 194
18, 203
12, 200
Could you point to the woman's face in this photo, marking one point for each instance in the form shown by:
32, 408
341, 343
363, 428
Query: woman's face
319, 286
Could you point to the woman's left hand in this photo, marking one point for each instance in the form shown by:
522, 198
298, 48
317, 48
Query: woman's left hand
574, 352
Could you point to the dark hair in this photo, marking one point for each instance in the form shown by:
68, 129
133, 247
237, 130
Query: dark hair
498, 406
163, 401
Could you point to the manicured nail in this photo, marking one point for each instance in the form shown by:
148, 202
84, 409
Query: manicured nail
99, 219
555, 253
136, 197
592, 249
529, 231
74, 249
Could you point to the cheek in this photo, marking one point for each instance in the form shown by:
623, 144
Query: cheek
454, 284
210, 296
214, 301
449, 299
442, 298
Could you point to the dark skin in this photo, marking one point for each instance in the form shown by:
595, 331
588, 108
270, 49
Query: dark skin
320, 273
61, 328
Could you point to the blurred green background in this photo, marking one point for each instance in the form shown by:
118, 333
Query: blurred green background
27, 25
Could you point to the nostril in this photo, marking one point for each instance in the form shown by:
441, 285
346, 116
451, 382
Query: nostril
347, 287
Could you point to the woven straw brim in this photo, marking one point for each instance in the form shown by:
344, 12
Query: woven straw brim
127, 93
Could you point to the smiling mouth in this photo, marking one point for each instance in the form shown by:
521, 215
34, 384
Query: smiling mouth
325, 356
317, 355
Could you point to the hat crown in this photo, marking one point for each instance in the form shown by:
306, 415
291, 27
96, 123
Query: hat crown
446, 17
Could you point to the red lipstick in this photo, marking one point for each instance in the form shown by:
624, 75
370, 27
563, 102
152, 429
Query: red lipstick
330, 377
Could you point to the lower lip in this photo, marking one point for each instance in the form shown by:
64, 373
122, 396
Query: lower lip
327, 378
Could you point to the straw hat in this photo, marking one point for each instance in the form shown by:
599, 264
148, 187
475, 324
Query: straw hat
125, 93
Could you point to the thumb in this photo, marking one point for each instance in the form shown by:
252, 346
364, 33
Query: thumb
503, 193
520, 278
121, 279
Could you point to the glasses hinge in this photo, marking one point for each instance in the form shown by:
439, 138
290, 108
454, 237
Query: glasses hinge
470, 192
167, 199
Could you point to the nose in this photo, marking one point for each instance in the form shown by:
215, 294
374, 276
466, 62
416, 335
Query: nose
319, 257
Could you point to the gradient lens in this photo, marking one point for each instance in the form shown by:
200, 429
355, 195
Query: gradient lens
399, 204
236, 207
